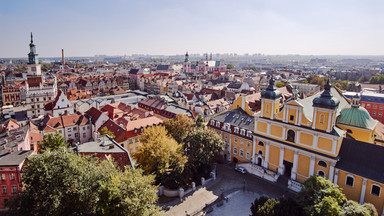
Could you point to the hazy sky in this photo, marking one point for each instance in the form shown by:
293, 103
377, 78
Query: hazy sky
118, 27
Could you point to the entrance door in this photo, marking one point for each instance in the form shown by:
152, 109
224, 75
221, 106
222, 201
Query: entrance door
259, 161
287, 168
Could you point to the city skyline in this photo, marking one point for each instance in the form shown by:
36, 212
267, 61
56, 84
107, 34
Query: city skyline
89, 28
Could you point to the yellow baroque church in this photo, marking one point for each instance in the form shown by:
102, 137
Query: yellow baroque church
324, 135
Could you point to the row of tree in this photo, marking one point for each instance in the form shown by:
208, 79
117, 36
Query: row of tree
179, 152
377, 79
318, 197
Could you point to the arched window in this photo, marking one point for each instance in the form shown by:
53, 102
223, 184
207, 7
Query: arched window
291, 136
322, 117
322, 163
267, 108
260, 152
349, 180
375, 190
260, 143
321, 173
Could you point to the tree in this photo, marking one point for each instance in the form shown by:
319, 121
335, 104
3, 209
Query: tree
105, 131
230, 66
281, 84
201, 147
159, 154
179, 126
52, 142
272, 207
352, 208
320, 196
62, 183
200, 122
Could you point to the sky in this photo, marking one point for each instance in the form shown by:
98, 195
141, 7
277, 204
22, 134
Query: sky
169, 27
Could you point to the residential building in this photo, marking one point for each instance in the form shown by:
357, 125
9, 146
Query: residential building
106, 148
97, 118
15, 148
59, 106
11, 95
372, 102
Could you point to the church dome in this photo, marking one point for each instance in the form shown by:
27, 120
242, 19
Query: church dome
271, 92
356, 116
326, 99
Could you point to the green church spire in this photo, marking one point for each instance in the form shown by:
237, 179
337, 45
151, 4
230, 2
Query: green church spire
32, 55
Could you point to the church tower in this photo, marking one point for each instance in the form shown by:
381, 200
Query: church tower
34, 68
324, 110
186, 64
270, 100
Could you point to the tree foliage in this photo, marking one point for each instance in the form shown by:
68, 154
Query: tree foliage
179, 126
377, 79
52, 142
105, 131
61, 183
160, 154
281, 84
230, 66
318, 197
200, 122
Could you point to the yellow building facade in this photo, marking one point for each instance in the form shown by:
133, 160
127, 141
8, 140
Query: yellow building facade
319, 135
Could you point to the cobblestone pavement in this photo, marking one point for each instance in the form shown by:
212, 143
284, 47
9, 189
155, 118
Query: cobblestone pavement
228, 181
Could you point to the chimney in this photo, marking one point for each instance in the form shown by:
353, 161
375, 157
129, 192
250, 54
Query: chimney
62, 57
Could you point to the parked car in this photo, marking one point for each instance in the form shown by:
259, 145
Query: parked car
241, 170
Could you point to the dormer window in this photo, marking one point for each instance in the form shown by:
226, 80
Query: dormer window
249, 133
217, 124
227, 127
236, 130
213, 122
242, 132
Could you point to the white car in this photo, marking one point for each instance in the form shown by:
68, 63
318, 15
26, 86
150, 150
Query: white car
241, 170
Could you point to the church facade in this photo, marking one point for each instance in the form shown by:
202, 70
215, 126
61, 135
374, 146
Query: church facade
324, 135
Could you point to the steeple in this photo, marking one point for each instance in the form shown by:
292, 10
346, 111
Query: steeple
186, 57
32, 55
356, 101
326, 99
271, 92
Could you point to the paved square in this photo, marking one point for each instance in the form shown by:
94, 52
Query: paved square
239, 204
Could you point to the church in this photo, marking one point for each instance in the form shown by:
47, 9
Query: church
325, 135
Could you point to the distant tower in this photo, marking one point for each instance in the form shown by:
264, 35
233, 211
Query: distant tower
62, 57
210, 57
186, 64
206, 56
34, 68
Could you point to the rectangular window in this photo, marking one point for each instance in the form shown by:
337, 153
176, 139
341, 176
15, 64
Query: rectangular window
248, 144
248, 155
235, 139
375, 190
74, 129
130, 141
374, 106
217, 124
363, 104
2, 177
373, 113
291, 117
380, 114
242, 132
4, 189
12, 176
241, 152
381, 107
13, 189
242, 142
84, 135
349, 181
368, 106
235, 150
76, 134
69, 129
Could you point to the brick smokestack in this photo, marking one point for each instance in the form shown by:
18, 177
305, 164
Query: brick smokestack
62, 57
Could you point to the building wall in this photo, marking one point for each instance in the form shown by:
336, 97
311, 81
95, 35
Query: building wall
9, 183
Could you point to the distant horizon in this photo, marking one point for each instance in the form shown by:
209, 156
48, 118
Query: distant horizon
87, 28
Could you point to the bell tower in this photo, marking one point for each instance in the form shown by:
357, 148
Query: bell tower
186, 64
270, 100
34, 68
324, 110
